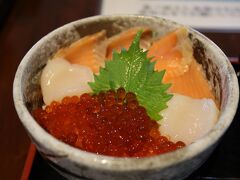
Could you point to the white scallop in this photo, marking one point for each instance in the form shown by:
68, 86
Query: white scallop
61, 78
187, 119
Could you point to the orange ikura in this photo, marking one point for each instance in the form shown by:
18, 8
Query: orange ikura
110, 123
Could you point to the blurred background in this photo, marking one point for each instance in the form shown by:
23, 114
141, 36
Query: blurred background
24, 22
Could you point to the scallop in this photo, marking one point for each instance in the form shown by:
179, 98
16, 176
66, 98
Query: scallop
187, 119
61, 78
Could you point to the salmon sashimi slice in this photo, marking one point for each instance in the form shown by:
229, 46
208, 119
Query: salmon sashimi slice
172, 64
89, 51
172, 52
192, 83
125, 38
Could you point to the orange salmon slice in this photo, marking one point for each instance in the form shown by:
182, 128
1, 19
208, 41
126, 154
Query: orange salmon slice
88, 51
192, 83
125, 38
172, 52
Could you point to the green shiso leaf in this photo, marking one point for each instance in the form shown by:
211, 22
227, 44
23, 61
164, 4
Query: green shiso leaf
132, 70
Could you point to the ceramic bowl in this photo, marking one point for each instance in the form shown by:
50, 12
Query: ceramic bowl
76, 164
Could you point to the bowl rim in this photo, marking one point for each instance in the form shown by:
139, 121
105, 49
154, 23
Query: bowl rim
115, 163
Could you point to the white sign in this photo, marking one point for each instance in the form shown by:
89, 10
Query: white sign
211, 15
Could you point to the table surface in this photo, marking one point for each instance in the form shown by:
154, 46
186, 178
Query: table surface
24, 23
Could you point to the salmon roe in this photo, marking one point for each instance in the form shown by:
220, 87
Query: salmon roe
110, 123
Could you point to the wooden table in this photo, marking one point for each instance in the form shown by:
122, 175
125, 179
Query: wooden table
26, 22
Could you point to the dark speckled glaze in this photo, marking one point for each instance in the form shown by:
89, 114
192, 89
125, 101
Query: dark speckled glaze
76, 164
